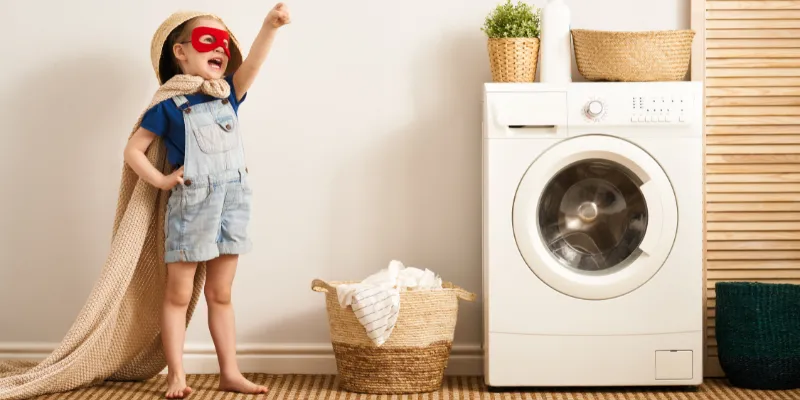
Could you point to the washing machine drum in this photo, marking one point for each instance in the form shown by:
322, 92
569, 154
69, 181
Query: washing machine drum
595, 217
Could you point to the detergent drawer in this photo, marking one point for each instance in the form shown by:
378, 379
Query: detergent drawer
527, 109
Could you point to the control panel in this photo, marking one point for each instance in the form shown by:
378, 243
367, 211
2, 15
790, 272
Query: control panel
544, 110
657, 106
658, 109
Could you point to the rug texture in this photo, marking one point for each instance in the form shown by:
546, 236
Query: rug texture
324, 387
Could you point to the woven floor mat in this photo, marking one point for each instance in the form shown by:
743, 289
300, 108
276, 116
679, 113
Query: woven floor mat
324, 387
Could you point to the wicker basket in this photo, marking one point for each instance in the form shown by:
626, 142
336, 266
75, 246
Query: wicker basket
414, 357
758, 334
513, 59
632, 56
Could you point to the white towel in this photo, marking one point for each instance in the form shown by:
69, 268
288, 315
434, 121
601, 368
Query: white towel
376, 300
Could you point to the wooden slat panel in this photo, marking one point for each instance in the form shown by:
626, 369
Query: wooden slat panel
753, 53
751, 44
752, 139
753, 207
753, 149
752, 62
719, 259
752, 226
750, 273
753, 159
712, 368
750, 197
752, 178
753, 216
750, 72
753, 130
754, 82
754, 245
750, 15
753, 5
754, 188
753, 24
753, 91
714, 102
751, 168
754, 120
765, 110
752, 34
766, 235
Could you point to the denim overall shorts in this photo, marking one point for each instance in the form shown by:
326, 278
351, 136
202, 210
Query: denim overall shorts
208, 214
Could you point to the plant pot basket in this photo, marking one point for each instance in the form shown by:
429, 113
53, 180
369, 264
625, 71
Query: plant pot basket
513, 59
632, 56
758, 334
414, 357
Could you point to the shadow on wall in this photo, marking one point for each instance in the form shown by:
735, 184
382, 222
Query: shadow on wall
302, 326
67, 144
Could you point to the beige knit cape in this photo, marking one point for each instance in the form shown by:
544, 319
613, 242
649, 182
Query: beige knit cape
116, 336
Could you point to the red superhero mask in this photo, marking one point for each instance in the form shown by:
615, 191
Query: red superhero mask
221, 38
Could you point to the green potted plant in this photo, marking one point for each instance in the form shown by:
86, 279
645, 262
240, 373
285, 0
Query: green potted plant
513, 35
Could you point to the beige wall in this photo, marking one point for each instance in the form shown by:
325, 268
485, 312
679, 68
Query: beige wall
363, 134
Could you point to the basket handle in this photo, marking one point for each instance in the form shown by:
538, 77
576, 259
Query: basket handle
318, 285
462, 293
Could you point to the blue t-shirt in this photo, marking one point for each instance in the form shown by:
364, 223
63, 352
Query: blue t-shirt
165, 119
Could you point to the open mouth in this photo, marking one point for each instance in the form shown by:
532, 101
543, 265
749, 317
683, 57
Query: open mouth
215, 63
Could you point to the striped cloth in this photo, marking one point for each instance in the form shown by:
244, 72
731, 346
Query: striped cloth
376, 307
376, 300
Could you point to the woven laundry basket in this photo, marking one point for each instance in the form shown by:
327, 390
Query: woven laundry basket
513, 59
414, 357
758, 334
633, 56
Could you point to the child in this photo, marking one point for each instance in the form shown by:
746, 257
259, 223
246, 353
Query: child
209, 193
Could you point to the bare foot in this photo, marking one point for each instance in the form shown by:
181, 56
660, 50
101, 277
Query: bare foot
176, 386
239, 384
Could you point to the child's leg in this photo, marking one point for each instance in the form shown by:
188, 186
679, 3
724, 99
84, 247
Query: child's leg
219, 279
178, 294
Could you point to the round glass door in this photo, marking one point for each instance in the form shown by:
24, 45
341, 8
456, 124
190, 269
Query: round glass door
592, 216
596, 223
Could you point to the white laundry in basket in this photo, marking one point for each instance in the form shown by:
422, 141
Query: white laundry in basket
376, 300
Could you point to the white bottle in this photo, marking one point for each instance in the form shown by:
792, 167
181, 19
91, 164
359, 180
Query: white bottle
556, 53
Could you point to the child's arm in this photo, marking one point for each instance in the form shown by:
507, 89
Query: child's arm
135, 157
246, 74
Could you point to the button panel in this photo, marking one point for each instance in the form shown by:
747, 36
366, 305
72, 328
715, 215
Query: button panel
659, 109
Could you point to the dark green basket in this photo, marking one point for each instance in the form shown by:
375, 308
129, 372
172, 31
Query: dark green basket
758, 334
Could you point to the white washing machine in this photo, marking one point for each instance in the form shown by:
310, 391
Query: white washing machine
592, 234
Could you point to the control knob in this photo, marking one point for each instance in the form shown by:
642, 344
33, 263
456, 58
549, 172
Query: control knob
594, 109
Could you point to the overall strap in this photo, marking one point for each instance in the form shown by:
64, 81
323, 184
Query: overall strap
181, 101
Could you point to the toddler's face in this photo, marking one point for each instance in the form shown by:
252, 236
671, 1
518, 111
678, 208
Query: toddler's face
204, 50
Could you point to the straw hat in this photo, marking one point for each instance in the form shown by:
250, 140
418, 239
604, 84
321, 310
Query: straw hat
161, 57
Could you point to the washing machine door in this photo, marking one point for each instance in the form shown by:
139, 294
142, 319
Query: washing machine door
595, 217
